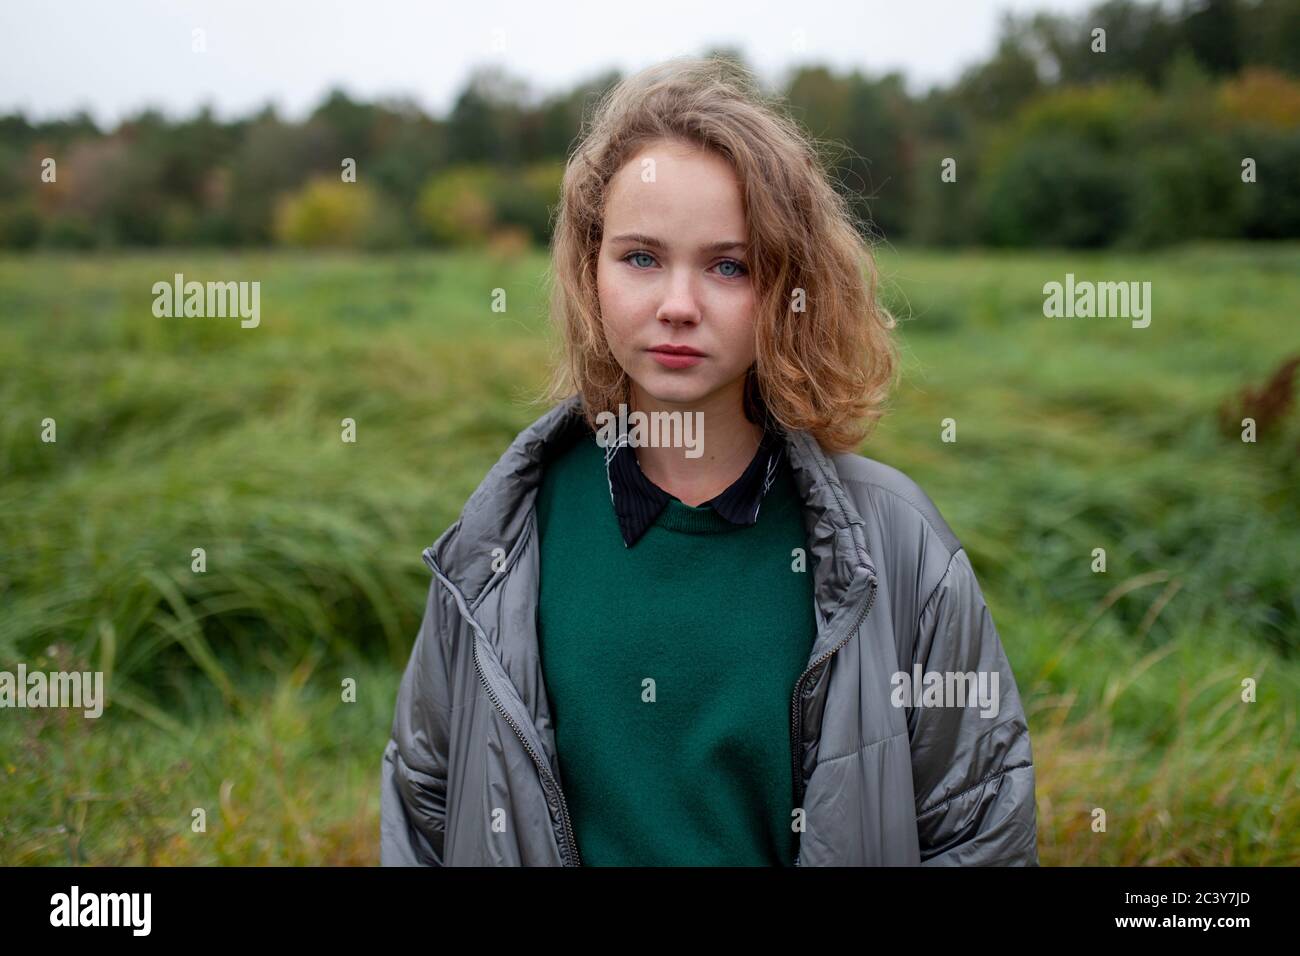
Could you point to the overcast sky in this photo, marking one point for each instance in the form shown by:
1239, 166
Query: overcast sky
113, 57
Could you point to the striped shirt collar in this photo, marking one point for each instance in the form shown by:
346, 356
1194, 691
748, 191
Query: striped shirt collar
638, 501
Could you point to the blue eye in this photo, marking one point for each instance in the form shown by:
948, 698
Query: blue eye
632, 258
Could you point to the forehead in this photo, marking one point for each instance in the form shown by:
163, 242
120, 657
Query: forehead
668, 183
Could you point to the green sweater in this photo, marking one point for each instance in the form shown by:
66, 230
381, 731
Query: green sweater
694, 768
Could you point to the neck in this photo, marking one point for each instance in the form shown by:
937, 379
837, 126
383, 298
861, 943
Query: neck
730, 441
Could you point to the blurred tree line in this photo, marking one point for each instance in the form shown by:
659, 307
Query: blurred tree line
1047, 142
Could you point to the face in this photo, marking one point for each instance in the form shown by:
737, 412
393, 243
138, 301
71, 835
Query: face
676, 298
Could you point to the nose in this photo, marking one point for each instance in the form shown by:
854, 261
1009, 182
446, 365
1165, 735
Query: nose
679, 307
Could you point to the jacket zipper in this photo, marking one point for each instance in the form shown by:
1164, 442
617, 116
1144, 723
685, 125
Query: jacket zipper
796, 711
546, 773
542, 769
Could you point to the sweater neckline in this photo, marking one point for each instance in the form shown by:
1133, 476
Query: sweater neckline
689, 519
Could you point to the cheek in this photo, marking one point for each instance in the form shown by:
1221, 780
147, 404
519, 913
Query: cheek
618, 305
739, 329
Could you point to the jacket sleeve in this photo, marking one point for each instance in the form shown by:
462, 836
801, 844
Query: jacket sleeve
413, 784
972, 767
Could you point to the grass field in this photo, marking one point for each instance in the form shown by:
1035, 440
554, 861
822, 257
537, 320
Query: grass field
184, 433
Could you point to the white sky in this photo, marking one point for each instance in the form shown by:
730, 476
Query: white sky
113, 57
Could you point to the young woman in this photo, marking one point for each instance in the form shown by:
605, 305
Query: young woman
681, 622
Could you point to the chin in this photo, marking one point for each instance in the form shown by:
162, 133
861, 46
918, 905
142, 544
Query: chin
679, 392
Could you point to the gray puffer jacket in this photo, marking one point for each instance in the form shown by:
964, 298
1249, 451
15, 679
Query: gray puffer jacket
471, 777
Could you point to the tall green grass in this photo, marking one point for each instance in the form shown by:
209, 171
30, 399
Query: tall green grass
175, 434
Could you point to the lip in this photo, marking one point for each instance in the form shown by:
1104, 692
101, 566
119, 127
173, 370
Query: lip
676, 356
672, 360
676, 349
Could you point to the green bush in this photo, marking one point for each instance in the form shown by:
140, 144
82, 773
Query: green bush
1056, 191
70, 231
1191, 189
468, 204
455, 207
526, 197
20, 225
1272, 206
327, 212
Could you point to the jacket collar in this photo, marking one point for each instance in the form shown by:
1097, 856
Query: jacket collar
499, 515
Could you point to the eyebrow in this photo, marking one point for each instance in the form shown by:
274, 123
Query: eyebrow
659, 244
